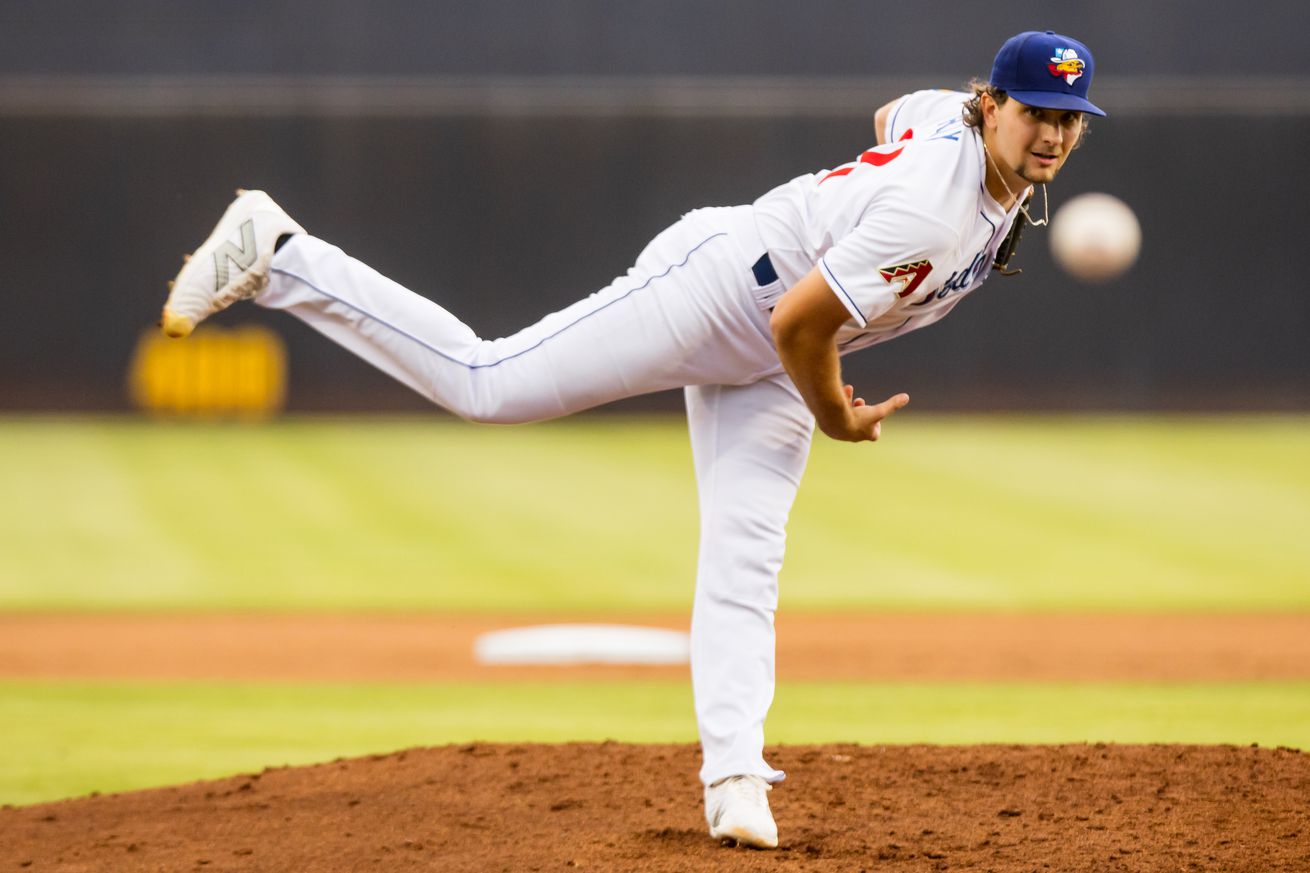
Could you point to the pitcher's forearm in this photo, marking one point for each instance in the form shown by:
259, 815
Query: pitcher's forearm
805, 322
814, 367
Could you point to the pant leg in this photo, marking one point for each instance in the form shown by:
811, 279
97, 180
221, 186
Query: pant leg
750, 444
684, 314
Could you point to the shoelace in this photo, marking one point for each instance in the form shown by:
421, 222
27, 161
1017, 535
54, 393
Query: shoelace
750, 789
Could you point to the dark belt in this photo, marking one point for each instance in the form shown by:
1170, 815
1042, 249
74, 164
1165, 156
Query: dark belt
764, 272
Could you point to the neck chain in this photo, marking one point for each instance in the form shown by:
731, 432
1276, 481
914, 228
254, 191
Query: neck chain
1046, 203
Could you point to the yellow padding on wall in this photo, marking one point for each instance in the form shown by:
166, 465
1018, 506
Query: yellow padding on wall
216, 372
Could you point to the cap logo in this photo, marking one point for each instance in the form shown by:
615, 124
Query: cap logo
1065, 64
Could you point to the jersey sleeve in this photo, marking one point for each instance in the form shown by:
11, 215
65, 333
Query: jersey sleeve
923, 108
885, 259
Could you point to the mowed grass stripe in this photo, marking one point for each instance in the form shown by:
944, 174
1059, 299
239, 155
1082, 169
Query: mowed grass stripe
1105, 512
955, 512
68, 739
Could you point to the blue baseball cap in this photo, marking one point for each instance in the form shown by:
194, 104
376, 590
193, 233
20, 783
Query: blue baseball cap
1046, 70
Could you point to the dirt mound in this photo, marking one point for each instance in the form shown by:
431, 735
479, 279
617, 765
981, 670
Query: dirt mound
615, 806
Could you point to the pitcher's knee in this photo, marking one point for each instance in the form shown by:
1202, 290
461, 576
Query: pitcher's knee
485, 412
750, 538
497, 415
489, 408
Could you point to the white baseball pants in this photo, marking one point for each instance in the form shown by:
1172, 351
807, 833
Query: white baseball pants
686, 315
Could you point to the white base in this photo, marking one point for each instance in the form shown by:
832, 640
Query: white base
582, 644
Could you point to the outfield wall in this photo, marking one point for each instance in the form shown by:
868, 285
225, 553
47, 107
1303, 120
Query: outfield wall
605, 37
507, 157
504, 218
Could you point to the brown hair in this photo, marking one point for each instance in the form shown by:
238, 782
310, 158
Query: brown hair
973, 107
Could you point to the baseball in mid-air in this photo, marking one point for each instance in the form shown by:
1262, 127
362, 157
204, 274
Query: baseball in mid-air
1095, 237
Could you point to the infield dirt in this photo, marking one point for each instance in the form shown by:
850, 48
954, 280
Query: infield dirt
823, 647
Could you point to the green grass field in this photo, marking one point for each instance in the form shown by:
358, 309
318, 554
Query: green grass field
598, 515
963, 513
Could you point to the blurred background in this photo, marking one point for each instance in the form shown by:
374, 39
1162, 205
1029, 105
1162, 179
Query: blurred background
506, 158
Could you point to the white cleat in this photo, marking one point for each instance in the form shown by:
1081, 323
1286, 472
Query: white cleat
231, 265
737, 808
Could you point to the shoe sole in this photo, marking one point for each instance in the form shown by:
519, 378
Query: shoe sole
744, 838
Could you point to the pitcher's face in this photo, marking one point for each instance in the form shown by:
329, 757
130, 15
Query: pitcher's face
1030, 142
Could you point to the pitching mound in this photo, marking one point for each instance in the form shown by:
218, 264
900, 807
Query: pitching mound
624, 807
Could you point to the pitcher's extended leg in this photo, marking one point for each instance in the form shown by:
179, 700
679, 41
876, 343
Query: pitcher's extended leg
678, 316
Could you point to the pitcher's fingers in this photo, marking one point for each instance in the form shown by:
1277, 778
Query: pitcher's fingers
891, 404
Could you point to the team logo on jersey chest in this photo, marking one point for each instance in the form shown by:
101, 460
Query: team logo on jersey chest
1066, 64
908, 275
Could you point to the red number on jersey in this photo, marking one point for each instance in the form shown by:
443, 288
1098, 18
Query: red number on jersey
878, 156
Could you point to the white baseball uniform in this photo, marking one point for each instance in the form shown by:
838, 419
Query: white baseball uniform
901, 235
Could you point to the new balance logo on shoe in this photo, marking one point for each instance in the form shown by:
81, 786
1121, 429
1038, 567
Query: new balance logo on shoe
243, 257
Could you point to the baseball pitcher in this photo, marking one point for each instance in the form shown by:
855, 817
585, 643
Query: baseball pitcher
748, 309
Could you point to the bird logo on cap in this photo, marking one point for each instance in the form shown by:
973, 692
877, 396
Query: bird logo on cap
1067, 65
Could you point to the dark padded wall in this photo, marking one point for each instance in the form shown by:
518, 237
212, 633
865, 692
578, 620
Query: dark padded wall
503, 219
613, 37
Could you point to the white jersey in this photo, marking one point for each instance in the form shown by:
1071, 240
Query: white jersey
902, 233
